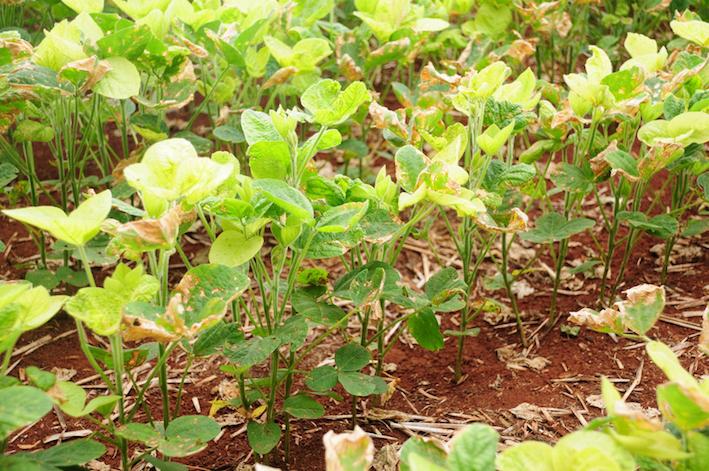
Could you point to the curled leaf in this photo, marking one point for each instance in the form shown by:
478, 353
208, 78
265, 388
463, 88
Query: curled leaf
350, 451
199, 300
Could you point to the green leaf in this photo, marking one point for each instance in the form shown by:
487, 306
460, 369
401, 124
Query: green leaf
443, 290
429, 25
32, 131
591, 451
162, 465
695, 227
694, 30
184, 436
72, 453
43, 278
121, 82
483, 84
318, 142
643, 307
142, 433
673, 107
520, 92
20, 406
537, 150
233, 248
263, 437
425, 329
554, 227
304, 55
8, 173
342, 218
684, 129
526, 456
624, 84
513, 176
40, 378
352, 357
252, 351
410, 162
473, 449
85, 6
73, 401
492, 140
359, 384
230, 134
269, 159
698, 445
201, 144
102, 308
573, 178
492, 19
171, 170
663, 226
127, 42
197, 428
80, 226
331, 106
24, 308
61, 45
198, 302
303, 407
286, 197
418, 451
214, 338
321, 379
294, 331
667, 361
258, 127
666, 226
98, 308
316, 311
348, 451
623, 163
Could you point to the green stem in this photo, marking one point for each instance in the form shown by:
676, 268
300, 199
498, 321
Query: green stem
289, 386
117, 354
559, 264
510, 293
178, 400
83, 338
6, 357
206, 224
164, 353
87, 267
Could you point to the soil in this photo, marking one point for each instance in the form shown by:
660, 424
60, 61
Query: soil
540, 392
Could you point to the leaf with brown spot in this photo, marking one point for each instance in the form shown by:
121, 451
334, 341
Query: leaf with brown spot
199, 300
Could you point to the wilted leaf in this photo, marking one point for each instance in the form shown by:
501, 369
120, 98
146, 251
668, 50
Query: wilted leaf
350, 451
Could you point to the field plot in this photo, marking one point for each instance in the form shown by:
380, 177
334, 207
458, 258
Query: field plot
354, 234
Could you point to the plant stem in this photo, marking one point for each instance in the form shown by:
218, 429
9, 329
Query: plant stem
178, 400
559, 264
510, 293
6, 357
81, 332
162, 359
632, 238
87, 267
117, 354
289, 386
